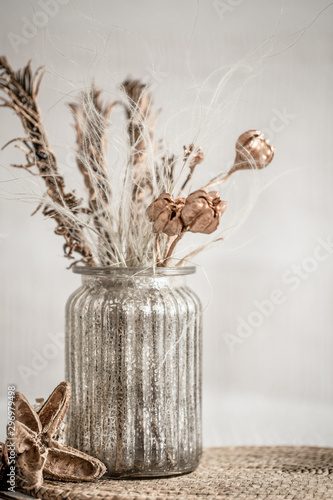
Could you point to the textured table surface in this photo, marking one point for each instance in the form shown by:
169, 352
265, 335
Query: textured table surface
250, 473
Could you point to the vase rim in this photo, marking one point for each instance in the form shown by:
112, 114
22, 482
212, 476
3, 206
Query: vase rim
133, 271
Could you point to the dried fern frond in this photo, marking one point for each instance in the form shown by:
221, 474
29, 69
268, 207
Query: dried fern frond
21, 88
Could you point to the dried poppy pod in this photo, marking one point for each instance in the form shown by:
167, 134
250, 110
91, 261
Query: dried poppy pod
202, 211
164, 212
252, 151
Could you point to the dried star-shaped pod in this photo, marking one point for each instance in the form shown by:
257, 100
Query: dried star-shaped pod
165, 212
202, 211
38, 453
252, 149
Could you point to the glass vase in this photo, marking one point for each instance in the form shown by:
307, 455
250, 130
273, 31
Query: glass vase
133, 358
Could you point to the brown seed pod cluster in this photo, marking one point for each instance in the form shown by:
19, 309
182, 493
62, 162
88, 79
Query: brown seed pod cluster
200, 212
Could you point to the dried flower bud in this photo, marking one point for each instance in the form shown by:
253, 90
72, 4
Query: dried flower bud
197, 158
164, 212
202, 211
252, 148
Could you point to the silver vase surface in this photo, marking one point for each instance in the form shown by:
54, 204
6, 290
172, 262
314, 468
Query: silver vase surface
133, 358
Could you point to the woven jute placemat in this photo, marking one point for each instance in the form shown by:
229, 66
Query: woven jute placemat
251, 473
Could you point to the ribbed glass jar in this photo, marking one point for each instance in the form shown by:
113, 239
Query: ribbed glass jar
133, 358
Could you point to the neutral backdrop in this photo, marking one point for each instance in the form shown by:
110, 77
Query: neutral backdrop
270, 380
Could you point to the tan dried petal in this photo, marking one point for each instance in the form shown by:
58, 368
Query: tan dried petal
53, 411
192, 209
174, 225
25, 414
67, 464
221, 207
202, 221
155, 208
162, 220
30, 456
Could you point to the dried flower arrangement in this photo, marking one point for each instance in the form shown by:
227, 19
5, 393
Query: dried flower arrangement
38, 451
149, 222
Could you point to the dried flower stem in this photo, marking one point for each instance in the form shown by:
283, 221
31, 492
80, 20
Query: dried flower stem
252, 152
196, 252
216, 180
196, 159
158, 249
173, 246
140, 132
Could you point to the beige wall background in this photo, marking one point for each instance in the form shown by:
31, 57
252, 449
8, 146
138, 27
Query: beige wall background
268, 367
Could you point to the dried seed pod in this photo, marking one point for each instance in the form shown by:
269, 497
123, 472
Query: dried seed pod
252, 150
165, 212
30, 451
202, 211
38, 452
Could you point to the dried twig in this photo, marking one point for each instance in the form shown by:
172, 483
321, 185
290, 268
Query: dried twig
197, 157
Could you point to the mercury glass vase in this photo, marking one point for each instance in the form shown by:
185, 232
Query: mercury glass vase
133, 358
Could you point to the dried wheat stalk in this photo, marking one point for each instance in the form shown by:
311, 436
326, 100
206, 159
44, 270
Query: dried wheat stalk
148, 175
140, 131
91, 122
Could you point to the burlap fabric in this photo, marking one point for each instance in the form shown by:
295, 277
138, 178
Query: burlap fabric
251, 473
